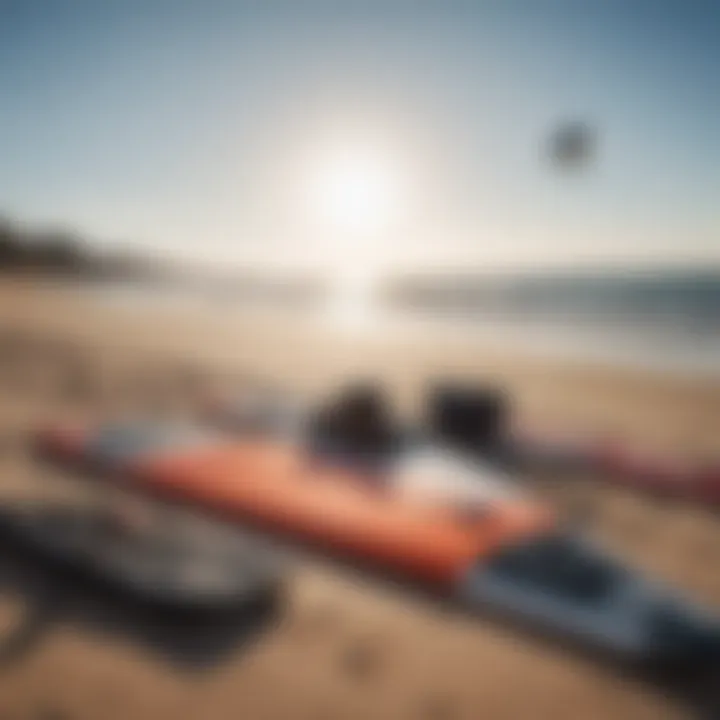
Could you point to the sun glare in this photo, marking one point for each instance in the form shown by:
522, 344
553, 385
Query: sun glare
352, 308
354, 192
354, 201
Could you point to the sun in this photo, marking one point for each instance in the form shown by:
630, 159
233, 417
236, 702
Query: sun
355, 201
353, 191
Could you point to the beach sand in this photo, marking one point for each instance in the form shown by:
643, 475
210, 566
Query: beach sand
346, 646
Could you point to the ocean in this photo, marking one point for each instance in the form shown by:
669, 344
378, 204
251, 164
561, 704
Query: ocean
663, 321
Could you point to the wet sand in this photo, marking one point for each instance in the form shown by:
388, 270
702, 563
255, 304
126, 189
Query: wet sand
345, 647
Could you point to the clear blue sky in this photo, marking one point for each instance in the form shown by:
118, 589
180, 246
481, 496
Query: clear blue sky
190, 127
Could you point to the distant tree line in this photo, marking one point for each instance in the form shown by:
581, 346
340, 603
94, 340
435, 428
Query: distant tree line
57, 251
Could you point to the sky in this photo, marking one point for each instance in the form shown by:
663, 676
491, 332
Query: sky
362, 136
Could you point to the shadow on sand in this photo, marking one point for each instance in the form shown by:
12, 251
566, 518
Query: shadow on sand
52, 597
192, 643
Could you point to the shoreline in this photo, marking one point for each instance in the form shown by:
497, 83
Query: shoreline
611, 341
677, 409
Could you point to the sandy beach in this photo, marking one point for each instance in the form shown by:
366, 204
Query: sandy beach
424, 662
